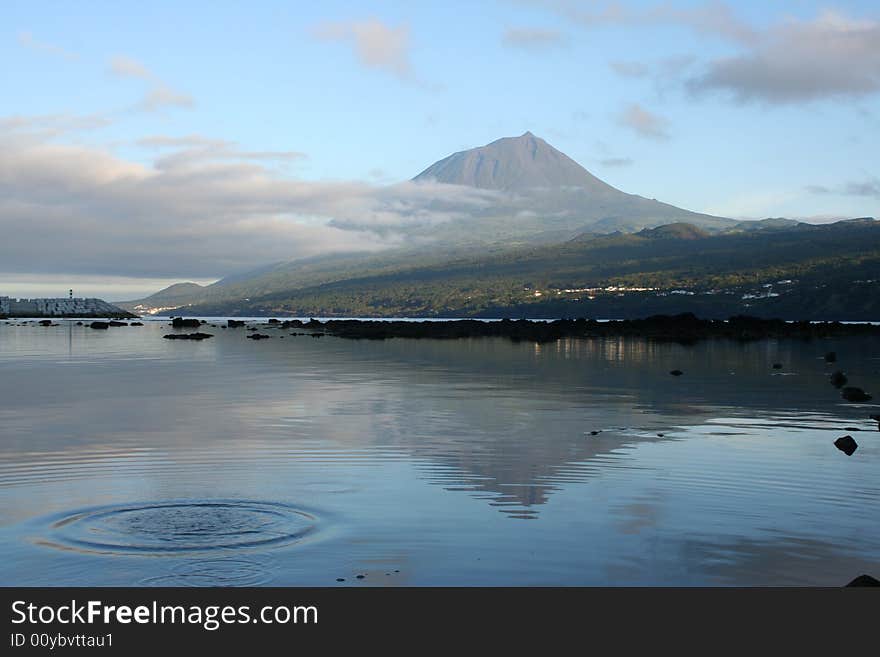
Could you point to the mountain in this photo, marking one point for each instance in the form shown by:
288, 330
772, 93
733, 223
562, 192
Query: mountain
543, 195
806, 272
173, 296
542, 199
513, 164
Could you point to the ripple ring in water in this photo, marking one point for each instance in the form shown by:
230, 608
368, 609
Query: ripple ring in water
173, 527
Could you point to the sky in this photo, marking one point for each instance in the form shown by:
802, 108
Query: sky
147, 143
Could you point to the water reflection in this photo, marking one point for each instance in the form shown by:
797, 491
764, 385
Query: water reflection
428, 456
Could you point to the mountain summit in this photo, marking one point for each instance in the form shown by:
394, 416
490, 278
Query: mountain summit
513, 164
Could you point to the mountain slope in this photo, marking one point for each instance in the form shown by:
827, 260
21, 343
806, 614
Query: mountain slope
807, 272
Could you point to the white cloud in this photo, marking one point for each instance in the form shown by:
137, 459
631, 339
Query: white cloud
159, 95
215, 209
797, 61
643, 122
27, 40
377, 45
532, 38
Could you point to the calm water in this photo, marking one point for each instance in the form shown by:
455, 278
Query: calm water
132, 460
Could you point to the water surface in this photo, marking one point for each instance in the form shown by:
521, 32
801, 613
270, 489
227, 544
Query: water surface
132, 460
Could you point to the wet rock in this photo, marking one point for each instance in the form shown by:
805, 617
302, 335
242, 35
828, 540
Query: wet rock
865, 580
660, 435
180, 322
851, 429
340, 579
831, 357
838, 379
360, 576
676, 372
187, 336
258, 336
115, 323
777, 366
78, 323
317, 335
99, 325
846, 444
137, 324
274, 321
595, 432
45, 322
853, 394
234, 323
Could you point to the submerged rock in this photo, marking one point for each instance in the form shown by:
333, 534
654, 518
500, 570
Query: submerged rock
854, 394
846, 444
258, 336
99, 325
865, 580
676, 372
838, 379
187, 336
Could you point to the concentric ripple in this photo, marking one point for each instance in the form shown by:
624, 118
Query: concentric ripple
180, 527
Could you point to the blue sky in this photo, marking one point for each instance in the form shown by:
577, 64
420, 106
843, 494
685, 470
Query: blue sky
746, 109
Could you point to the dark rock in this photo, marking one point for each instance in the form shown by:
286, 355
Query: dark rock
777, 366
853, 394
594, 433
258, 336
180, 322
660, 435
187, 336
838, 379
99, 325
676, 372
851, 429
137, 324
846, 444
234, 323
865, 580
45, 322
115, 323
274, 321
317, 335
360, 576
78, 323
831, 357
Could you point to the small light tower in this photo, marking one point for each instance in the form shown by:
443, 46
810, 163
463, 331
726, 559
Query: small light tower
71, 293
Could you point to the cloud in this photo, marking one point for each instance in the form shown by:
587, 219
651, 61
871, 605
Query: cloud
196, 150
798, 61
27, 40
533, 39
644, 123
665, 69
377, 45
202, 209
867, 188
159, 95
712, 18
616, 162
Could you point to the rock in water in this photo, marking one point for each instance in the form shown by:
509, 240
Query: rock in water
865, 580
258, 336
838, 379
99, 325
180, 322
831, 357
187, 336
45, 322
234, 323
853, 394
777, 366
846, 444
676, 372
115, 323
